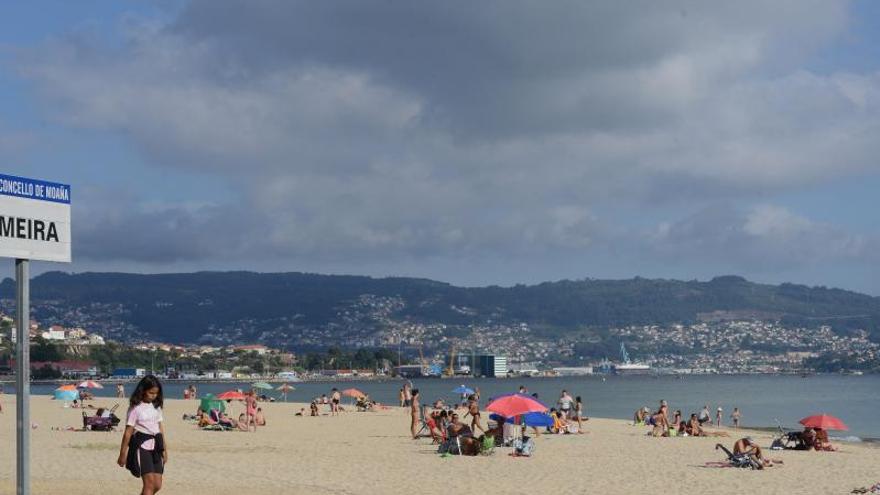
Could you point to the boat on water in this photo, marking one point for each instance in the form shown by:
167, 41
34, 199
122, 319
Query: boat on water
627, 367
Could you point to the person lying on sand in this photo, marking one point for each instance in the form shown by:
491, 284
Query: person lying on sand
747, 446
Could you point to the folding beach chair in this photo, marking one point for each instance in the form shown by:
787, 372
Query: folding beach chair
423, 421
740, 460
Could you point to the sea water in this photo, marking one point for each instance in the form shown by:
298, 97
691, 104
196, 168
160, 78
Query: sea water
762, 399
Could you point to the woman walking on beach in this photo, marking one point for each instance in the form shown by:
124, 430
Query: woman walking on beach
144, 451
414, 412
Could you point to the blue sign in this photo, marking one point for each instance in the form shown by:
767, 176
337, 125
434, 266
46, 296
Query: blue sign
21, 187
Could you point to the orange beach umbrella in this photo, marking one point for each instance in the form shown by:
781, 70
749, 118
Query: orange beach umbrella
353, 392
231, 395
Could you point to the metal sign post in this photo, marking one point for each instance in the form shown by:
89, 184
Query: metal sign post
22, 377
34, 225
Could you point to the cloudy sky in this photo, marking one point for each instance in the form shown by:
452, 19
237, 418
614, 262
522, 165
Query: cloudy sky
491, 142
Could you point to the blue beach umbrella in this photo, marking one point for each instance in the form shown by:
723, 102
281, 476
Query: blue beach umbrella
66, 395
463, 390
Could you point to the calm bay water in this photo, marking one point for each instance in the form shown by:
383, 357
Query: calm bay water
762, 398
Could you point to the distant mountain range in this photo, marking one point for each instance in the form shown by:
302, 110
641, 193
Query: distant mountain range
299, 308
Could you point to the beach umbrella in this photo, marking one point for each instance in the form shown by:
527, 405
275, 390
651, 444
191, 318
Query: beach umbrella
511, 405
66, 395
353, 392
89, 384
284, 388
210, 401
66, 388
823, 421
461, 389
262, 385
231, 395
535, 419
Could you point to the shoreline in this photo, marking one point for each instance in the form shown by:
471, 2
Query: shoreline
372, 452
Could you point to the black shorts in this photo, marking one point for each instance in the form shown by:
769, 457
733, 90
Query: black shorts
148, 464
336, 401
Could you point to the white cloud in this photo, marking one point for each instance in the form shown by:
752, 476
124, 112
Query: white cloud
373, 130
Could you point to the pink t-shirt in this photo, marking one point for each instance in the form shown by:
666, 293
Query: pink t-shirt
145, 418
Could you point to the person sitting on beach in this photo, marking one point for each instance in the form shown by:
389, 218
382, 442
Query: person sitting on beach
260, 418
458, 429
314, 408
693, 427
822, 442
560, 425
808, 439
640, 416
747, 446
302, 412
433, 422
242, 423
676, 418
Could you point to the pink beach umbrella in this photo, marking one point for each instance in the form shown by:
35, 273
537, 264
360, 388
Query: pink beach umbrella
89, 384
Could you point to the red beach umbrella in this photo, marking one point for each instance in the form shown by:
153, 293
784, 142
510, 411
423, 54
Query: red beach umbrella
515, 405
231, 395
89, 384
824, 421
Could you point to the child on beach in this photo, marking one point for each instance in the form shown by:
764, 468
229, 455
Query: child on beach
144, 451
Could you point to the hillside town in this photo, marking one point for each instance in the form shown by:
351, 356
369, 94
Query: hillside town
265, 347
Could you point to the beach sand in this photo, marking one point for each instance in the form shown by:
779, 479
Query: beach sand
359, 453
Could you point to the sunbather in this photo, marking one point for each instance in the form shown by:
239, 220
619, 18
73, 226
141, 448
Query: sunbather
560, 425
747, 446
260, 418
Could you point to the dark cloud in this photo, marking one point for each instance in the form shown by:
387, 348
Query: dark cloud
376, 131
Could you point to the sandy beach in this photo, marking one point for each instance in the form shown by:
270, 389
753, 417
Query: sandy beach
359, 453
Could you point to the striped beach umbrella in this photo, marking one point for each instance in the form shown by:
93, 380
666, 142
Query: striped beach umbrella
89, 384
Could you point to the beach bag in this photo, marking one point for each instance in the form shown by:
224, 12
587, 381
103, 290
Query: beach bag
524, 446
487, 445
